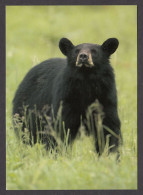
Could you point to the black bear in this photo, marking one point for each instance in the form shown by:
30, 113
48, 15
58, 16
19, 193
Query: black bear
77, 81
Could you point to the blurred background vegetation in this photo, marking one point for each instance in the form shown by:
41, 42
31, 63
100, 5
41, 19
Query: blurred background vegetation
32, 35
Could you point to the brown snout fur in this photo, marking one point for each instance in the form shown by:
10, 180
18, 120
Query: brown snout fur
90, 62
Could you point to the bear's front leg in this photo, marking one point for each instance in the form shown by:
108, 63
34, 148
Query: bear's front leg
111, 126
71, 121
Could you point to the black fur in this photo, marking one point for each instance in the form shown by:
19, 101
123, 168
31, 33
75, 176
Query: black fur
56, 80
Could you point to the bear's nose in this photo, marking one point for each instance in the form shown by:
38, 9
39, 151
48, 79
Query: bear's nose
83, 57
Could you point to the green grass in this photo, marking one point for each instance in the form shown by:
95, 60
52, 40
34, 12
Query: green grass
32, 35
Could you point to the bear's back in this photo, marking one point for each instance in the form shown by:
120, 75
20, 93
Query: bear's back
37, 84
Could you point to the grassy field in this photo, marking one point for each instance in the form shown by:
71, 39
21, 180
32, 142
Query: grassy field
32, 35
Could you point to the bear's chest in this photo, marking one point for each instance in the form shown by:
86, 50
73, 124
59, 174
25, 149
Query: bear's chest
83, 90
87, 89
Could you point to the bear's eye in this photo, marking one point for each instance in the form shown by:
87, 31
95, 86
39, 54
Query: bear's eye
77, 51
94, 51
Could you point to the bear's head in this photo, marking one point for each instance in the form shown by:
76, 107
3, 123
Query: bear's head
88, 55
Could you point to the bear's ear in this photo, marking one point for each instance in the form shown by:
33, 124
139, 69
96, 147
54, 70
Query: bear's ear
65, 46
110, 45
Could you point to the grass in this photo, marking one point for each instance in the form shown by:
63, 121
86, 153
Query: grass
32, 35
